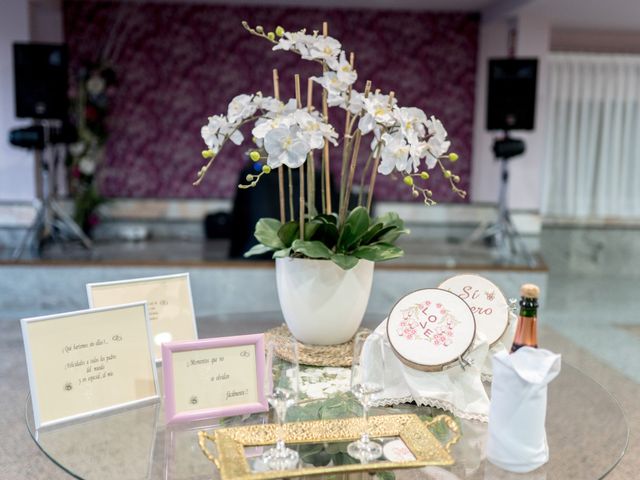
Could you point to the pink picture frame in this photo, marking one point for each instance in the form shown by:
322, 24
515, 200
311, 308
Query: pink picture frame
201, 349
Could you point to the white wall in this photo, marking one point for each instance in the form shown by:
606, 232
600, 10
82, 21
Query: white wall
16, 165
525, 185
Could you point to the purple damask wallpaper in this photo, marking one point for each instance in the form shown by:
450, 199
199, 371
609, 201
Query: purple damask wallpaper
179, 63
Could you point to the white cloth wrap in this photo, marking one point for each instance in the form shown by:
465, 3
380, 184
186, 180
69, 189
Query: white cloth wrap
502, 345
517, 439
455, 389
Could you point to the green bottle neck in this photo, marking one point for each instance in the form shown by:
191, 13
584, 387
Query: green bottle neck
528, 307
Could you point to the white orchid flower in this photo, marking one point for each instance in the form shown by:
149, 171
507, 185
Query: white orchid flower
437, 143
379, 110
417, 150
326, 49
266, 124
331, 83
285, 147
356, 102
412, 121
292, 41
213, 133
395, 154
313, 130
241, 108
345, 71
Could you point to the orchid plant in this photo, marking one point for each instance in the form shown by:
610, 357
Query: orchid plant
405, 144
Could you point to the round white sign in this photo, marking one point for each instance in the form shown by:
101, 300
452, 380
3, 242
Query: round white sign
430, 328
488, 304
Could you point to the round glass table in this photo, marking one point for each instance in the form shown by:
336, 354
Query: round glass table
586, 429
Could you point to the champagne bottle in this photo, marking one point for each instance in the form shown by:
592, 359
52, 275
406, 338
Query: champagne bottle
526, 333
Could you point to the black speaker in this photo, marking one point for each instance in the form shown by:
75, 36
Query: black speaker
41, 81
511, 100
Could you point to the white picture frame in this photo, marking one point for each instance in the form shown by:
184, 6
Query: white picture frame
49, 339
139, 289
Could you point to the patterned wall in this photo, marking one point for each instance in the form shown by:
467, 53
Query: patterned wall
179, 63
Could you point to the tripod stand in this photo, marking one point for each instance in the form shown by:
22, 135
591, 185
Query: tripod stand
51, 222
502, 234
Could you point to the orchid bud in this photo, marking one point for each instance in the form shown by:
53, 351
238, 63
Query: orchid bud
259, 29
271, 36
424, 175
207, 154
279, 31
408, 180
447, 174
254, 155
249, 178
266, 169
453, 157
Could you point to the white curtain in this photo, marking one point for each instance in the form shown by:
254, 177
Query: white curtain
592, 165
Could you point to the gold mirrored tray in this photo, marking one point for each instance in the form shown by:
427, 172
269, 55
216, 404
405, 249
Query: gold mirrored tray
235, 449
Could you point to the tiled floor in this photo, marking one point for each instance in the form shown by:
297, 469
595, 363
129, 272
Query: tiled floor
591, 300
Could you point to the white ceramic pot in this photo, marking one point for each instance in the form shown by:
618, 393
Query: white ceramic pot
322, 303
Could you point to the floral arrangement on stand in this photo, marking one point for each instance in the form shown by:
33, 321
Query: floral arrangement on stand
292, 134
95, 88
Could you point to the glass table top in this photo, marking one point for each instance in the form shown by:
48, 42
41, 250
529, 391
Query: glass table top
586, 429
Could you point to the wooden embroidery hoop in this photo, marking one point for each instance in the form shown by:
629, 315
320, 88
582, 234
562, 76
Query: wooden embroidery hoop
433, 367
487, 282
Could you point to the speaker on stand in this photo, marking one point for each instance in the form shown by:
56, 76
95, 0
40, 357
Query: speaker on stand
511, 105
41, 83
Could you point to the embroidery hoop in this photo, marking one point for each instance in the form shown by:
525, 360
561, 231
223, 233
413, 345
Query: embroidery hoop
433, 367
491, 339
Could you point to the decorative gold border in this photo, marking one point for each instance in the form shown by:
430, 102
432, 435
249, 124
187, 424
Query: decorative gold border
231, 442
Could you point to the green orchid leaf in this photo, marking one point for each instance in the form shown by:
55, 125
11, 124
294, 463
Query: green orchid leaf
282, 253
267, 233
324, 218
381, 234
310, 230
326, 233
393, 235
371, 233
257, 250
390, 218
311, 249
288, 233
378, 252
346, 236
345, 262
354, 228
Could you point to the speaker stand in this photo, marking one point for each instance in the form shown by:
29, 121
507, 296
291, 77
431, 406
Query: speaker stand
502, 234
52, 223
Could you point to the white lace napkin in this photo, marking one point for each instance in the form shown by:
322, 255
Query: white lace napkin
502, 345
517, 438
456, 389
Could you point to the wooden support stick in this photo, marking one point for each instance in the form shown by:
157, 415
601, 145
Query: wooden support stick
376, 163
276, 94
326, 166
311, 175
346, 142
354, 161
301, 168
